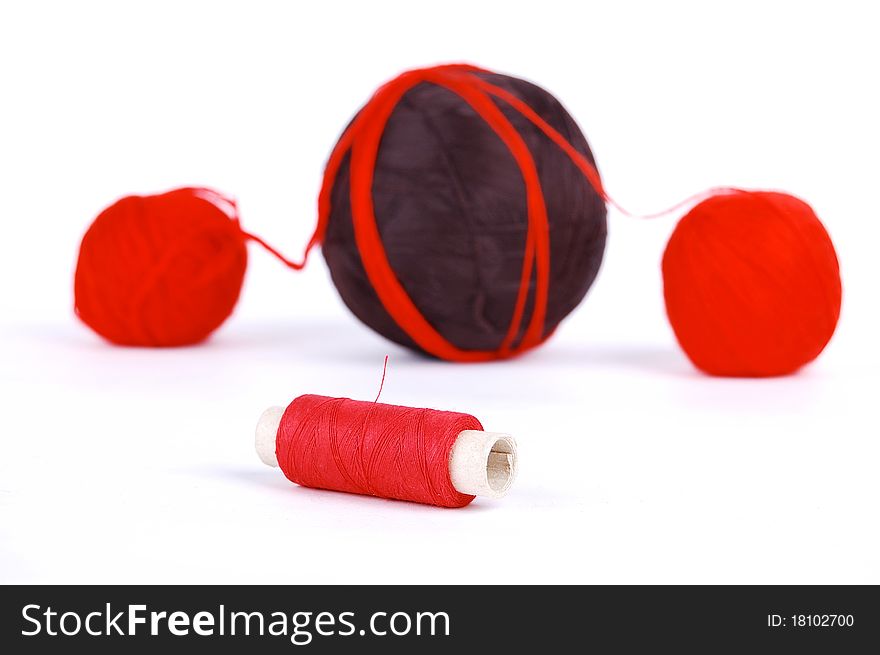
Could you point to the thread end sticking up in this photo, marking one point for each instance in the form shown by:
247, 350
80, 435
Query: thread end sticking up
267, 431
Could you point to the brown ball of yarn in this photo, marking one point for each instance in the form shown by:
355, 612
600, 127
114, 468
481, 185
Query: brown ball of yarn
450, 207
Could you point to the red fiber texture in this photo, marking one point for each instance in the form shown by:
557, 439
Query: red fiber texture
161, 270
371, 448
752, 284
358, 150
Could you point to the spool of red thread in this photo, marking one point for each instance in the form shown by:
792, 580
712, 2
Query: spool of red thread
405, 453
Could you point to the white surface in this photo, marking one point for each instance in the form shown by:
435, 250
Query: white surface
634, 467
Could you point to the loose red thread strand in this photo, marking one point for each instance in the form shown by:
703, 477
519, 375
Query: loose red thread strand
382, 382
362, 139
371, 448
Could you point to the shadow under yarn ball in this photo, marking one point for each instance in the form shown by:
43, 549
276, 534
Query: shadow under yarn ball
450, 206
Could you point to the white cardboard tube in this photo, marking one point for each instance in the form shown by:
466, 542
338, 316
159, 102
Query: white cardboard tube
480, 464
267, 430
483, 463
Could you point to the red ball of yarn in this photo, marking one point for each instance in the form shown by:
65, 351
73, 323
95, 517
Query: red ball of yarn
161, 270
752, 284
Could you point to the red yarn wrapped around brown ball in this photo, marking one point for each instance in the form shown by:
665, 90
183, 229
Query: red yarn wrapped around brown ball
462, 214
161, 270
752, 284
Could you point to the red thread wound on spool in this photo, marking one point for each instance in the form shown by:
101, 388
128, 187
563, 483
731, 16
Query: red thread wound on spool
371, 448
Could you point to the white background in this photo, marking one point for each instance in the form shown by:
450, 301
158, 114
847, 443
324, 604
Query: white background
131, 465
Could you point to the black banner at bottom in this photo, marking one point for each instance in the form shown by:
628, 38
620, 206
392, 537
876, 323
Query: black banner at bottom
47, 619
